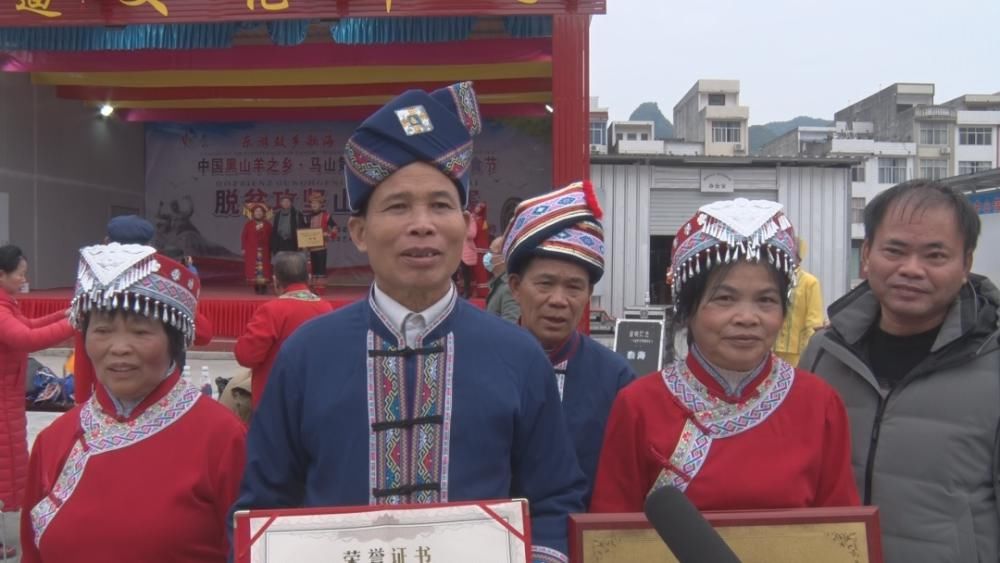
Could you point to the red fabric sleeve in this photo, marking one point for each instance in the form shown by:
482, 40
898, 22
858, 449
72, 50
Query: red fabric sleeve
34, 490
84, 378
621, 482
22, 338
837, 486
253, 346
46, 320
203, 330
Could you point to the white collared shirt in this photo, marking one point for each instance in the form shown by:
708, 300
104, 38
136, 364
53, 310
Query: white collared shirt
407, 322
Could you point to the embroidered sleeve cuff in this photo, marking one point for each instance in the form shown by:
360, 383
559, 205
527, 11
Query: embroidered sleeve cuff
541, 554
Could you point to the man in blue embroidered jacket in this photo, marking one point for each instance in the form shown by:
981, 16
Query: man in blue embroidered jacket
414, 395
554, 249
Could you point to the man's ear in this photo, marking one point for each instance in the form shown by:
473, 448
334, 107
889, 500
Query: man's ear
356, 226
514, 283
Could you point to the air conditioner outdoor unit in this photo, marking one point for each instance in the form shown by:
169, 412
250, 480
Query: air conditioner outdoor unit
945, 150
737, 148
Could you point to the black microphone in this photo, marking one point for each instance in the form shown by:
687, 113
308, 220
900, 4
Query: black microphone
685, 531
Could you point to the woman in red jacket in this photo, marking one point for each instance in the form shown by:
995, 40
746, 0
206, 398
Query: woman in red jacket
19, 336
147, 469
731, 425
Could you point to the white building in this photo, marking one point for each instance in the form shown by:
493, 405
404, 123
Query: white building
711, 114
634, 137
900, 134
598, 127
647, 198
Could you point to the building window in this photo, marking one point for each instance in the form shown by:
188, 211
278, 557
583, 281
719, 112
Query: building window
891, 170
726, 131
597, 133
858, 172
857, 210
934, 135
644, 137
619, 137
630, 136
934, 169
973, 166
716, 99
975, 136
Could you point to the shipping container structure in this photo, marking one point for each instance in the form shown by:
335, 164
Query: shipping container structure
646, 199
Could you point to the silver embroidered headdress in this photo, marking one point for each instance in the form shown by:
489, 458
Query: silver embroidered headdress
134, 278
726, 231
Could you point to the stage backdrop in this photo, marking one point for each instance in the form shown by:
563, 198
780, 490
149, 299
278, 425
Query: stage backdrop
198, 178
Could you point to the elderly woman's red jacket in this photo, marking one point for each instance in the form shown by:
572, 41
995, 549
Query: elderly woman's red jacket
19, 336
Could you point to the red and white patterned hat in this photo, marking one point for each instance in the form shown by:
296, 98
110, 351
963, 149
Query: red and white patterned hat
563, 223
134, 278
726, 231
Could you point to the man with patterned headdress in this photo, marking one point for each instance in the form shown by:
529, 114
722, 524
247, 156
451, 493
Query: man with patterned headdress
315, 217
456, 404
554, 249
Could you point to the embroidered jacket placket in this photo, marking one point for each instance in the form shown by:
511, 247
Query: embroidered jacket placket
409, 413
711, 418
103, 433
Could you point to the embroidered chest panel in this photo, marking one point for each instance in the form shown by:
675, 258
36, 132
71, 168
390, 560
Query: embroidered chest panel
103, 433
711, 418
409, 415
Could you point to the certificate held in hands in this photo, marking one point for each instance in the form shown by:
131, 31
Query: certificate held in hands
484, 532
310, 238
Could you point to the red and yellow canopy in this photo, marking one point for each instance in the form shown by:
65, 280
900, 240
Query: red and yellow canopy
309, 81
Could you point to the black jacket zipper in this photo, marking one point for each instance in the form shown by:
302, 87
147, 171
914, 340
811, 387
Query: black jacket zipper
872, 446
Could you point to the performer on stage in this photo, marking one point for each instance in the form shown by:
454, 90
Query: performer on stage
256, 247
147, 469
286, 223
414, 395
316, 217
481, 278
554, 250
732, 425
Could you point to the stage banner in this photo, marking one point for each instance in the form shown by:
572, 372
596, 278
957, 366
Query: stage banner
200, 177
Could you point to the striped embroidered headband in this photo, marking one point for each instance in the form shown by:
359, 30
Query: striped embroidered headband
564, 223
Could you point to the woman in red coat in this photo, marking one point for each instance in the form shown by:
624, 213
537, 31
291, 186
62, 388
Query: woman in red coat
482, 240
148, 467
19, 336
256, 245
731, 425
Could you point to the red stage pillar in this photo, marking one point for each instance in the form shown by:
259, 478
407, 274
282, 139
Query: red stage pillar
571, 103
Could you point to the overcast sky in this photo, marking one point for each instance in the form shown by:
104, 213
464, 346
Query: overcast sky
792, 57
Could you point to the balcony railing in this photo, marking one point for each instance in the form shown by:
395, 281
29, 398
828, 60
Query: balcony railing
934, 112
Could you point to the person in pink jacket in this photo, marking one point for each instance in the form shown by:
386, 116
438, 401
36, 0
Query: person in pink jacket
469, 258
19, 336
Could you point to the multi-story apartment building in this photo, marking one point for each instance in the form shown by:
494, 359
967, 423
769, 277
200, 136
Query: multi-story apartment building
710, 114
901, 134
